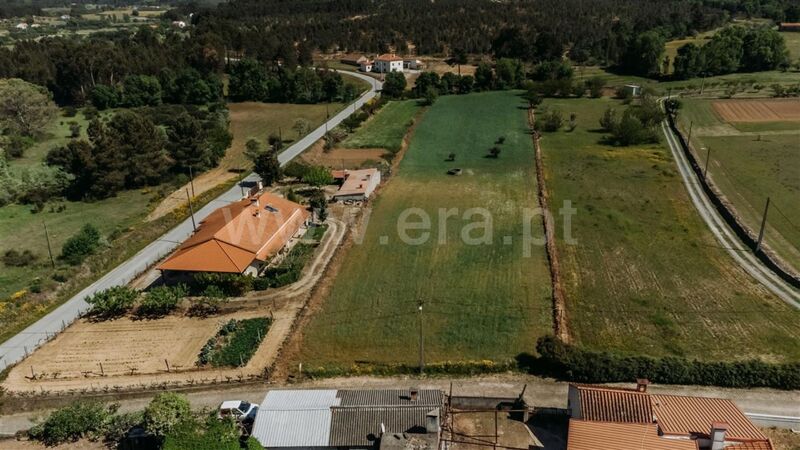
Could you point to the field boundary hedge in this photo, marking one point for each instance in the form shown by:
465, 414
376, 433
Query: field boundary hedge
568, 362
729, 215
560, 327
441, 368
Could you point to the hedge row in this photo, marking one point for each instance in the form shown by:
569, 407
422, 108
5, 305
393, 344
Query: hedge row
443, 368
572, 363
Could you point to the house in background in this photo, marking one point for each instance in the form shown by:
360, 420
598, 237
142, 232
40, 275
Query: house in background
353, 59
606, 418
239, 238
388, 419
388, 62
366, 66
356, 184
413, 64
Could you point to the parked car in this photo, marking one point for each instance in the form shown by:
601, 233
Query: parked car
240, 411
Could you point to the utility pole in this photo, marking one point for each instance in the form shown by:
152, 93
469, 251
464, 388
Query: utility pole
703, 84
49, 247
708, 158
191, 210
689, 141
191, 179
421, 341
327, 118
763, 227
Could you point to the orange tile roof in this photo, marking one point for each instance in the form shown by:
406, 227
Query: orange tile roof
388, 57
615, 405
234, 236
585, 435
679, 415
753, 445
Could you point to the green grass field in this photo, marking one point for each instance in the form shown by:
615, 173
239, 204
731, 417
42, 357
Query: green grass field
750, 162
792, 43
480, 301
254, 120
646, 275
386, 129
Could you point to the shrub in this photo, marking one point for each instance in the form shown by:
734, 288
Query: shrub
550, 121
161, 300
207, 305
576, 364
213, 434
112, 302
318, 176
166, 411
13, 258
232, 285
68, 424
81, 245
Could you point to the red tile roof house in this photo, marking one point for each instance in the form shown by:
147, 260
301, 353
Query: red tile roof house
606, 418
356, 184
388, 62
789, 26
240, 237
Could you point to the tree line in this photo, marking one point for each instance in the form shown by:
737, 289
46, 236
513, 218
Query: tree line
733, 49
141, 147
251, 80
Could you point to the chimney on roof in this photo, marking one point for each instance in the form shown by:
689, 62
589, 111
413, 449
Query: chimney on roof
432, 422
641, 384
254, 202
718, 430
413, 393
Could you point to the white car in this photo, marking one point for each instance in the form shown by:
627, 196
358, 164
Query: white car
239, 410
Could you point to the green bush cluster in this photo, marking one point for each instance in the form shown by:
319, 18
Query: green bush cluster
573, 363
165, 412
81, 245
235, 343
232, 285
78, 420
112, 302
161, 300
288, 271
14, 258
208, 434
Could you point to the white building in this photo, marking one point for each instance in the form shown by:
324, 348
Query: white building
366, 66
21, 26
356, 184
388, 62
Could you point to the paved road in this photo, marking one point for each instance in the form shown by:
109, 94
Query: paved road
16, 348
726, 237
783, 407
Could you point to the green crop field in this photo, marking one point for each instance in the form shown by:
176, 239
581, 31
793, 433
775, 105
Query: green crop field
386, 129
646, 275
487, 301
750, 162
792, 43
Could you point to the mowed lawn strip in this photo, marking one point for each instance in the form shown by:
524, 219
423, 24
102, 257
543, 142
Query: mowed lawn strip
750, 162
647, 276
480, 301
386, 129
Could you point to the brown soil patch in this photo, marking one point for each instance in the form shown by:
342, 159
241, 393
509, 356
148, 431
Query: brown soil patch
349, 158
474, 429
775, 110
71, 361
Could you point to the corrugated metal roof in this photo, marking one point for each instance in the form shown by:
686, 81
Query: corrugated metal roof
295, 418
390, 397
361, 426
615, 405
694, 415
309, 418
585, 435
